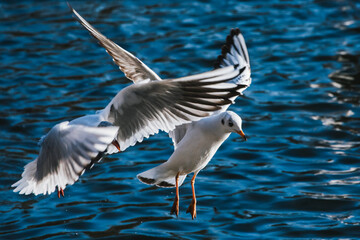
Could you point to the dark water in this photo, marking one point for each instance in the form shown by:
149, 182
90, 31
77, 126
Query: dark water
297, 175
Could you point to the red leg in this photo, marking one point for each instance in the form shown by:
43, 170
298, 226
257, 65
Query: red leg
60, 191
116, 144
175, 207
192, 207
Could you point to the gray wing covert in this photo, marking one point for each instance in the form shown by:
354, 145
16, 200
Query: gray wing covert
131, 66
141, 110
65, 153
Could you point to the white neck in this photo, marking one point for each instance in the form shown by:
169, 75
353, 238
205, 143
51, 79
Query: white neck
213, 126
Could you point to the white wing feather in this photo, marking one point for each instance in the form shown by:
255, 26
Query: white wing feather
234, 52
133, 68
141, 110
65, 153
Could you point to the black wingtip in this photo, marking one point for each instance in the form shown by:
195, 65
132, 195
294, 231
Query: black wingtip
225, 49
240, 86
229, 40
235, 31
218, 62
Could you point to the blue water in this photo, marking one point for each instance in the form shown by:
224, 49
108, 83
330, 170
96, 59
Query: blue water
297, 176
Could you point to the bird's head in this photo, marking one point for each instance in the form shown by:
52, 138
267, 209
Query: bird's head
232, 122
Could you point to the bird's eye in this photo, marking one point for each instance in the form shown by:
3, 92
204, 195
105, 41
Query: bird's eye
222, 121
231, 124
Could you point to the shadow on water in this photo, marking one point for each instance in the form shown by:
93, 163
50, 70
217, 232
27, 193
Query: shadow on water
297, 176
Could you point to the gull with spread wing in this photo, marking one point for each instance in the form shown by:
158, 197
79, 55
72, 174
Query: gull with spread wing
195, 142
135, 113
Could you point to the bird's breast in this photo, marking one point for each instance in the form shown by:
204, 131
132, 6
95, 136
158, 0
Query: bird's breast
194, 154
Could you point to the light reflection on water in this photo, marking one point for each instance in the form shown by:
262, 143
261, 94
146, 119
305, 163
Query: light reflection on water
296, 176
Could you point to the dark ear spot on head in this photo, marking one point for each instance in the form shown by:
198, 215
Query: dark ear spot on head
222, 121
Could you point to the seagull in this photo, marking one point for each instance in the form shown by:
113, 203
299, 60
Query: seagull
136, 112
235, 55
192, 154
196, 143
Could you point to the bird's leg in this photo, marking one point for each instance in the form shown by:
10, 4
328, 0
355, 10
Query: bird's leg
192, 207
116, 144
60, 191
175, 207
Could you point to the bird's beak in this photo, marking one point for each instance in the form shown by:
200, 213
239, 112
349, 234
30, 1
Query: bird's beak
242, 134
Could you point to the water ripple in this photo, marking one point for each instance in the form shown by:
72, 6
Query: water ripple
295, 177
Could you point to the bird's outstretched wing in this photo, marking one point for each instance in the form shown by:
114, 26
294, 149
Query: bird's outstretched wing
66, 151
233, 53
141, 110
131, 66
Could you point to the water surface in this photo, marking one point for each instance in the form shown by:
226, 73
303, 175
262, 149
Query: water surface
297, 176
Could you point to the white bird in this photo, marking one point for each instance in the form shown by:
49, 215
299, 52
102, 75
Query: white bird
212, 131
197, 142
135, 113
201, 141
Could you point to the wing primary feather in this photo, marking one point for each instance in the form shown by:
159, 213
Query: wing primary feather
209, 103
197, 107
132, 67
211, 96
180, 108
222, 80
202, 90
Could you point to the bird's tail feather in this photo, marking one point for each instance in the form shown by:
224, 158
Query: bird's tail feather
159, 177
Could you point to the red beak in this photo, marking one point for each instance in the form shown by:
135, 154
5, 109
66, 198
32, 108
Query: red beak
242, 134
